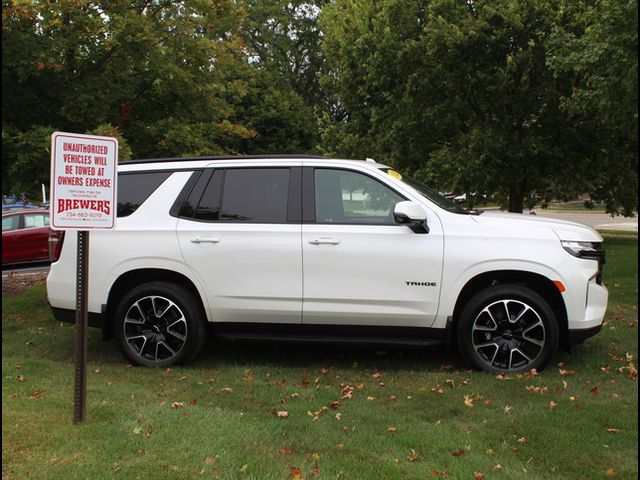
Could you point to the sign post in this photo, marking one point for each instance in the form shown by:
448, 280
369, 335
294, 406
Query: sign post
83, 197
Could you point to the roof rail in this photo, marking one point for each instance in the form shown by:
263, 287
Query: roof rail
221, 158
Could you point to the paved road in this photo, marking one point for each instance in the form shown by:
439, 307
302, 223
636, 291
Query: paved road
600, 221
24, 269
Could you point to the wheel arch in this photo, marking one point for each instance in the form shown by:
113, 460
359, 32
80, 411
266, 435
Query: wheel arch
536, 282
132, 278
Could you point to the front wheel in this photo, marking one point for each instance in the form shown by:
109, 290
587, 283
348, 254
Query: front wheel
506, 329
159, 324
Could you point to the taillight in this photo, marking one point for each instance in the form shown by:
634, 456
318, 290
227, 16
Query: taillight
56, 238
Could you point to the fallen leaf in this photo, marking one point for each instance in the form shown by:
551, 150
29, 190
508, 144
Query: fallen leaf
209, 460
304, 383
370, 398
508, 409
296, 473
611, 472
177, 405
567, 372
534, 389
412, 457
347, 392
522, 441
468, 401
458, 453
285, 451
282, 414
20, 378
243, 468
227, 390
552, 405
248, 376
613, 430
478, 476
392, 429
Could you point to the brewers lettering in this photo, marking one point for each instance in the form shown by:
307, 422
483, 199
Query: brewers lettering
65, 204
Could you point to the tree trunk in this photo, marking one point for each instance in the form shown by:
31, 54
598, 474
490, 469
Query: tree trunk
516, 198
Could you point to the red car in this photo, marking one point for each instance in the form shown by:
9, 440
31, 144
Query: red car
25, 236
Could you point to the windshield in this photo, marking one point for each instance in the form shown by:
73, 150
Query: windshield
427, 192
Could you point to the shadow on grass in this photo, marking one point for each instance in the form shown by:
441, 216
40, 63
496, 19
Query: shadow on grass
218, 353
284, 354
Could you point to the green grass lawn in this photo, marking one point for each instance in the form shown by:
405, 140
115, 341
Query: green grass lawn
286, 412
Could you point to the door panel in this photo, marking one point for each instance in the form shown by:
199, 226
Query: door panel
242, 240
360, 267
360, 278
252, 272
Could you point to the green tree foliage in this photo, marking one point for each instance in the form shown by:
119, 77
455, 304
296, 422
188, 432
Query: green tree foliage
173, 78
467, 95
594, 51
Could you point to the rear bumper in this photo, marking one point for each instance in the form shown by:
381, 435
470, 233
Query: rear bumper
69, 316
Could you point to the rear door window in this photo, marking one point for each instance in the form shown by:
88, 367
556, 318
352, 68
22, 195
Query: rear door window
243, 195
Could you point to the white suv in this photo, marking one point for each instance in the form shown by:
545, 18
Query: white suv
311, 249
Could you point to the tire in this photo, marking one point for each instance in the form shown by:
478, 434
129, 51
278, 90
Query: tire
159, 324
507, 329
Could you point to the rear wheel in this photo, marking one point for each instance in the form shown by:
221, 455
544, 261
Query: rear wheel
507, 328
159, 324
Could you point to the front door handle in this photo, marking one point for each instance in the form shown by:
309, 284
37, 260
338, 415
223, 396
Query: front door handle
205, 240
324, 241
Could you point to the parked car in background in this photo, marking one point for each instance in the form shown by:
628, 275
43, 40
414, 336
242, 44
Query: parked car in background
25, 236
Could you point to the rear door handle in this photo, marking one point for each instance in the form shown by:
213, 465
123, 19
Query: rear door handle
205, 240
324, 241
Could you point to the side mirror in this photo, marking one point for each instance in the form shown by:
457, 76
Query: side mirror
412, 215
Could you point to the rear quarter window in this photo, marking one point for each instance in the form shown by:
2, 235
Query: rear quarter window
134, 188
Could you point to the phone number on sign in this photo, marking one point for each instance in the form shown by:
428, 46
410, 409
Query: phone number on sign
83, 215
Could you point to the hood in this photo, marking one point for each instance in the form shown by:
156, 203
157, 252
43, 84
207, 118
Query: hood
563, 229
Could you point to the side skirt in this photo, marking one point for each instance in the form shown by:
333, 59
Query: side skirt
329, 334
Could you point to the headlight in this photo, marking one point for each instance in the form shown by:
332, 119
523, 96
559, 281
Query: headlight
591, 250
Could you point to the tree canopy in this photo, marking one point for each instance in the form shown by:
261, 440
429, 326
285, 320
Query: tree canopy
484, 97
521, 100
